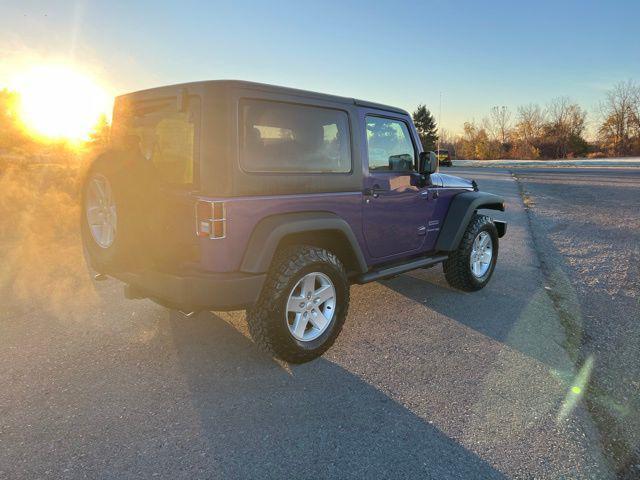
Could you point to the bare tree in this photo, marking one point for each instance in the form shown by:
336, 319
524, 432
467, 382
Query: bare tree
620, 122
528, 132
446, 139
530, 123
565, 126
500, 123
475, 143
567, 116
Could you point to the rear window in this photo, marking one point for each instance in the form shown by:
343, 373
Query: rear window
288, 138
162, 134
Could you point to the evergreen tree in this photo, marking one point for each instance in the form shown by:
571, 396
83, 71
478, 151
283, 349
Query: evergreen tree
427, 128
99, 137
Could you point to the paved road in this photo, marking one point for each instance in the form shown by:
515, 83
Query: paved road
424, 382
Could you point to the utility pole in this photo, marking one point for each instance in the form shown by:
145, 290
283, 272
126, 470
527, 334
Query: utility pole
439, 124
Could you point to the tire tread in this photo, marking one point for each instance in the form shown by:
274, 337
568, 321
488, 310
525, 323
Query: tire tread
262, 326
456, 268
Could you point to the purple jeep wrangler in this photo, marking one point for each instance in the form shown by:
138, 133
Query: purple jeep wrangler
228, 195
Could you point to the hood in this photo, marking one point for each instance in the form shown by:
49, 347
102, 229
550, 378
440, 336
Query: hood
451, 181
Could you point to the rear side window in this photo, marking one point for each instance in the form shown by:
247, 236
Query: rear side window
162, 134
288, 138
389, 145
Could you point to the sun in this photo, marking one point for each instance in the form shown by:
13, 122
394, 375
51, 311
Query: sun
60, 102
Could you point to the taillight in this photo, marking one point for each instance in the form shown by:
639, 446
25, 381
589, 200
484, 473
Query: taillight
210, 219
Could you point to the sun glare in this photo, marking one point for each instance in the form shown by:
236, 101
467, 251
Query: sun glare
58, 102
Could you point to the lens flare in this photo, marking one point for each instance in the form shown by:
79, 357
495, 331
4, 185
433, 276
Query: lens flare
577, 390
59, 102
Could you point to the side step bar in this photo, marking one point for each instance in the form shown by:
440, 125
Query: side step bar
398, 269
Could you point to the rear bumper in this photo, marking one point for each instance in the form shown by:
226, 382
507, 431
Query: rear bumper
193, 292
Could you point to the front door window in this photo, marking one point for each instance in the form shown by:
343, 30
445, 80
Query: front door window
389, 145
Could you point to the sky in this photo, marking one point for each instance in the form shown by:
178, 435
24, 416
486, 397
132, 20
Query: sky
473, 55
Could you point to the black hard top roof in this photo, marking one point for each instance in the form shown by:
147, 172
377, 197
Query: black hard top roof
267, 88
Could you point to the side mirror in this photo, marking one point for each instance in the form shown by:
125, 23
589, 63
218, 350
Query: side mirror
428, 163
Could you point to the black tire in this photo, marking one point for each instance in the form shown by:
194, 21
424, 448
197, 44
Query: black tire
134, 193
457, 268
267, 319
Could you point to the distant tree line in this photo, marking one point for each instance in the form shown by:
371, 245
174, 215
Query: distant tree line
556, 130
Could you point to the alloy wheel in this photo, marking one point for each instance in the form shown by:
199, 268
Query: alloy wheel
311, 306
481, 254
101, 211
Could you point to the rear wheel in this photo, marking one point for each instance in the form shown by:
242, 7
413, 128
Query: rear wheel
303, 304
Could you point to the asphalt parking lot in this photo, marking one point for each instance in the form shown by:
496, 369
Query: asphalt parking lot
424, 381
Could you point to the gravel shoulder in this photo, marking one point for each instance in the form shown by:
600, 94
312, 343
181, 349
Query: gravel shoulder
587, 229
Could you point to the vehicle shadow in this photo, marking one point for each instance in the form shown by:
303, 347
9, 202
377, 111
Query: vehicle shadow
261, 419
510, 310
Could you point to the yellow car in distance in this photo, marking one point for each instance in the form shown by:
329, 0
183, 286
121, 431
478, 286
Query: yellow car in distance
444, 158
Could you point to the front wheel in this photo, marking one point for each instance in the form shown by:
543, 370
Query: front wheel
469, 268
302, 306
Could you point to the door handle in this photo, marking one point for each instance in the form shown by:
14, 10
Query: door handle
372, 191
426, 193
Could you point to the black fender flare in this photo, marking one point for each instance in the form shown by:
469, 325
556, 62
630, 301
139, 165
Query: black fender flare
271, 230
461, 209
